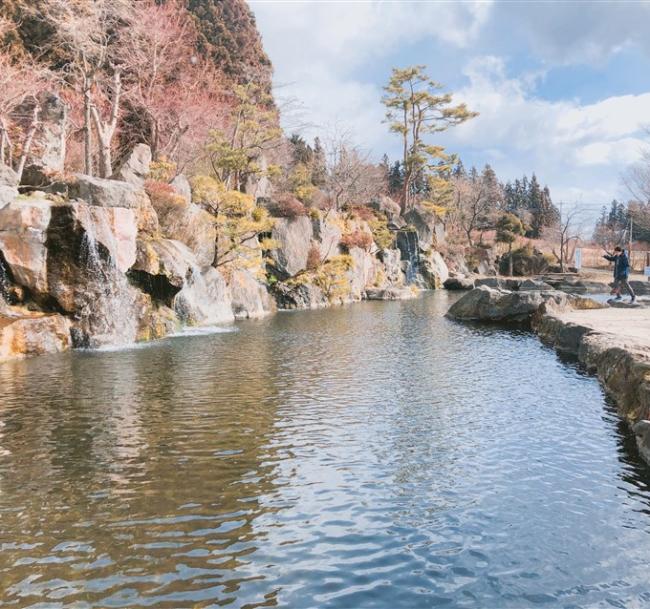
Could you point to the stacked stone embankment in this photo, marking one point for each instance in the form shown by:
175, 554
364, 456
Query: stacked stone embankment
611, 343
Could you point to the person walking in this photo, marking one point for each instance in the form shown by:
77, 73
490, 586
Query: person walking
621, 273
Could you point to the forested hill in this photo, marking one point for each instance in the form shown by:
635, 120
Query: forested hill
227, 34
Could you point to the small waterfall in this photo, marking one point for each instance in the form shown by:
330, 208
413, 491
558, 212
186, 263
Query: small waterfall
107, 302
4, 286
407, 243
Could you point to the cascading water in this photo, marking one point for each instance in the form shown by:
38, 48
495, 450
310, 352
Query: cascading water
107, 307
4, 286
407, 243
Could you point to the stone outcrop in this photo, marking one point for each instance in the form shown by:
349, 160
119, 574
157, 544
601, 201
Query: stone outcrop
497, 305
162, 267
391, 293
459, 282
434, 271
604, 343
23, 236
135, 168
205, 299
53, 131
188, 223
8, 185
294, 238
250, 299
27, 335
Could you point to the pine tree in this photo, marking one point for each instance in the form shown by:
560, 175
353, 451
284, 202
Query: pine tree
319, 164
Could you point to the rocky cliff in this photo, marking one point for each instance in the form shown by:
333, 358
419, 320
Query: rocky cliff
89, 262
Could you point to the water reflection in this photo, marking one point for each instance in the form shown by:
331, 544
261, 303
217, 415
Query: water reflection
369, 456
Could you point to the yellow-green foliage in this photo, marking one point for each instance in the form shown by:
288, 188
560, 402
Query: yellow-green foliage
300, 183
383, 237
332, 277
162, 170
238, 222
256, 128
314, 214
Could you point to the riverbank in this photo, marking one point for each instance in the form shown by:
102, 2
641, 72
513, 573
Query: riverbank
613, 344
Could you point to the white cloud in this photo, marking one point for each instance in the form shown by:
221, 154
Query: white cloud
579, 150
332, 57
318, 50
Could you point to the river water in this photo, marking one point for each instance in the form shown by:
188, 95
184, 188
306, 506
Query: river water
376, 455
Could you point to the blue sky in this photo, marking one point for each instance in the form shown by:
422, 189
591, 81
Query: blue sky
563, 88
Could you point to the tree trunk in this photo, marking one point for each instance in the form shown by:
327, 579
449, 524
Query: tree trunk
510, 262
88, 158
27, 144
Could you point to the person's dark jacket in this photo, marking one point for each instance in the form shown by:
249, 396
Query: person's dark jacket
621, 265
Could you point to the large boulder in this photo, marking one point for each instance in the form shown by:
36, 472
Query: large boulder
362, 273
205, 299
390, 293
459, 282
105, 193
293, 237
387, 206
51, 148
300, 296
250, 299
8, 185
327, 231
162, 267
433, 271
135, 168
429, 228
114, 228
188, 223
496, 305
34, 334
183, 187
392, 263
23, 237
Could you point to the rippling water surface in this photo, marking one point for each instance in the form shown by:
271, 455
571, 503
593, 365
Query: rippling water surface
377, 455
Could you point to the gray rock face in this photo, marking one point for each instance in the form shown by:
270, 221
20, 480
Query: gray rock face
53, 131
502, 283
8, 185
161, 268
392, 261
23, 236
328, 234
488, 304
362, 273
534, 284
306, 296
434, 271
135, 168
205, 299
250, 300
191, 225
29, 335
387, 206
105, 193
424, 222
182, 186
390, 293
459, 283
575, 285
294, 237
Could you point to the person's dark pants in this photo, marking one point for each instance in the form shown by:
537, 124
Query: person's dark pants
623, 282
